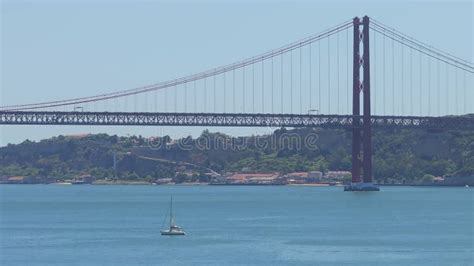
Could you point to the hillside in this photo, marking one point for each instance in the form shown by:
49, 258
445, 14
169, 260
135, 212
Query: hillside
398, 154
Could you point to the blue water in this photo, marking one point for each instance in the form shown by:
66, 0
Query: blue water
239, 225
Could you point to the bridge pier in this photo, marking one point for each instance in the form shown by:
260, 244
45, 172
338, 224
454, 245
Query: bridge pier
363, 138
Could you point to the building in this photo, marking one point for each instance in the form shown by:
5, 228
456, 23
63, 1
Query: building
304, 177
84, 179
296, 177
253, 178
15, 180
315, 175
337, 175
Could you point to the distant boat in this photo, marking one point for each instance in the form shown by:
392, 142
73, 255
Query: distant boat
174, 230
62, 183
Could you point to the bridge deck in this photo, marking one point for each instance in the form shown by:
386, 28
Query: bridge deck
228, 120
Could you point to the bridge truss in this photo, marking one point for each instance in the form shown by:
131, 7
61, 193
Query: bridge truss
230, 120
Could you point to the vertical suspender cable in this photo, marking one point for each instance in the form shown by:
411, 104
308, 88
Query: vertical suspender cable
115, 104
447, 90
146, 103
411, 81
301, 81
263, 86
403, 80
456, 89
281, 82
195, 97
420, 99
155, 94
393, 77
438, 85
337, 73
347, 72
135, 102
176, 97
166, 98
374, 87
253, 88
214, 93
233, 91
291, 81
243, 89
185, 97
384, 79
465, 92
329, 76
310, 78
273, 87
225, 92
429, 85
319, 76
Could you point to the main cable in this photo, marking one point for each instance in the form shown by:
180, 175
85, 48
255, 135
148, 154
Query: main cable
198, 76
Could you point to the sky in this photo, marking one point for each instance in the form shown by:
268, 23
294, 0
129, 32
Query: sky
65, 49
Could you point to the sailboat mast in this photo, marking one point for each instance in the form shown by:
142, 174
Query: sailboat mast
171, 211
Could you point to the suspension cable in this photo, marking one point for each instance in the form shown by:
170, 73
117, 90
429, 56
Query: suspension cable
198, 76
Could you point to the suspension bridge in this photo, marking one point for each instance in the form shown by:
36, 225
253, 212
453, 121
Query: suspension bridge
358, 75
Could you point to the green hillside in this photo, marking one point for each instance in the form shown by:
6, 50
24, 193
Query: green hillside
398, 154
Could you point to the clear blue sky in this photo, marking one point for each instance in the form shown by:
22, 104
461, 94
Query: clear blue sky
62, 49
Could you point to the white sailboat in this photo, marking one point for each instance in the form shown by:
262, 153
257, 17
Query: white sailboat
174, 230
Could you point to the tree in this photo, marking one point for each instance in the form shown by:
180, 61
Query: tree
427, 179
133, 176
180, 178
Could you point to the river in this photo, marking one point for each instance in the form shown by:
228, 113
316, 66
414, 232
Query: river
235, 225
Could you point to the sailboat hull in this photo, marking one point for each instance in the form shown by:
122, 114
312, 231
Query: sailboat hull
172, 233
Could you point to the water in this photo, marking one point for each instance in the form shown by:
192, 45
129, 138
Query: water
239, 225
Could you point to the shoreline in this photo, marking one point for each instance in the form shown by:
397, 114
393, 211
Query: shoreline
143, 183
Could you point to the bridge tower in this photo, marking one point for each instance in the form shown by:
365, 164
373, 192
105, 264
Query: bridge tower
361, 136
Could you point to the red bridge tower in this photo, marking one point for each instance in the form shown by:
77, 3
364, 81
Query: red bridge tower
361, 136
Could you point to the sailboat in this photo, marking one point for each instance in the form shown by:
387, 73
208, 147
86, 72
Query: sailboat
174, 230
